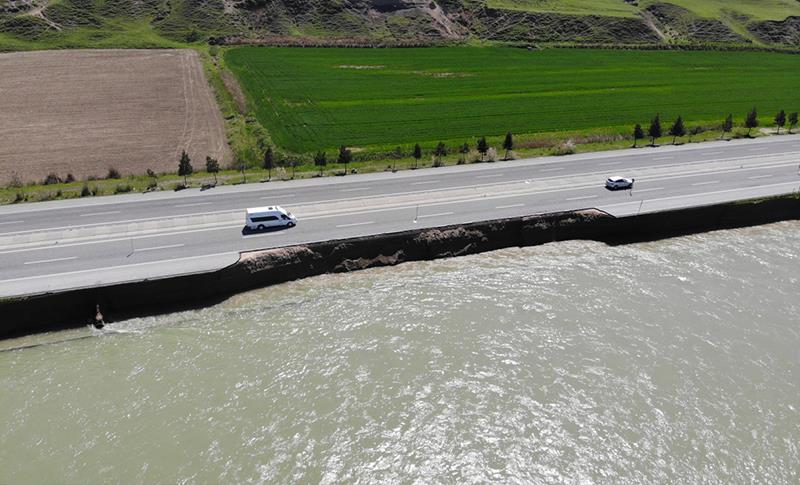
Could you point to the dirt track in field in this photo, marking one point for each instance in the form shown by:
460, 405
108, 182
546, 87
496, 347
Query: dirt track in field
84, 111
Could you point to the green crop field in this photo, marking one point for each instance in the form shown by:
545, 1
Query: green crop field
312, 99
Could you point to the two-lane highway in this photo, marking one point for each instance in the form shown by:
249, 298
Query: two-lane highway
66, 244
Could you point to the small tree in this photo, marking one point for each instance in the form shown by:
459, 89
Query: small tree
185, 167
212, 166
269, 162
483, 147
441, 150
508, 144
696, 130
243, 168
655, 130
321, 160
678, 129
417, 154
638, 134
780, 120
792, 121
463, 150
345, 157
396, 155
727, 126
294, 163
751, 121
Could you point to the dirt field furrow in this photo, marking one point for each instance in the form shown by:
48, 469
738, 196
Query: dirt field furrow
84, 111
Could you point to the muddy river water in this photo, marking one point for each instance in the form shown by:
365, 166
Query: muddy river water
675, 361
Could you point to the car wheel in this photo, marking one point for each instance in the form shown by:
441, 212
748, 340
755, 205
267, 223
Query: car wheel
291, 224
260, 227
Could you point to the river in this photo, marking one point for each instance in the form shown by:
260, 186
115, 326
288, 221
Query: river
675, 361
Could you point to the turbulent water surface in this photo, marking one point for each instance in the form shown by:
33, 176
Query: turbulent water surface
669, 362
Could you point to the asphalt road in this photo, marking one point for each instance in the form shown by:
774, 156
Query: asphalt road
69, 244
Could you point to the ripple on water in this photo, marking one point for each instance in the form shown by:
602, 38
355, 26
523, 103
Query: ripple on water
668, 362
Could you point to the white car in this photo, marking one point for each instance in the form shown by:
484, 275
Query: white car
260, 218
616, 183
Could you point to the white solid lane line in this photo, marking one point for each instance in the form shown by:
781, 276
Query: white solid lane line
705, 183
608, 164
437, 215
354, 190
278, 196
489, 176
100, 213
760, 176
159, 247
637, 191
555, 169
193, 205
114, 268
425, 183
662, 158
42, 261
713, 153
11, 222
357, 224
509, 206
583, 198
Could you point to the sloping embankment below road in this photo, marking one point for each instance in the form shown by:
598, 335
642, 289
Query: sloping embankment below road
262, 268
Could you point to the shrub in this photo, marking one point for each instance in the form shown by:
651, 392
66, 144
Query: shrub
564, 148
70, 178
15, 182
52, 179
19, 197
113, 173
122, 189
85, 192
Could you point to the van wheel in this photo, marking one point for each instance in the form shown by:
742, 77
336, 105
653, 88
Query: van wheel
260, 227
291, 224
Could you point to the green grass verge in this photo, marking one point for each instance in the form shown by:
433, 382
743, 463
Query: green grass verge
375, 99
546, 144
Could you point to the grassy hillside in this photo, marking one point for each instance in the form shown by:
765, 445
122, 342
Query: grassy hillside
678, 20
37, 24
312, 99
754, 9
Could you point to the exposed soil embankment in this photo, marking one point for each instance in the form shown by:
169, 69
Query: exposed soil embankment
263, 268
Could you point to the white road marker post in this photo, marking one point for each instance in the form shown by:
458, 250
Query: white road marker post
416, 216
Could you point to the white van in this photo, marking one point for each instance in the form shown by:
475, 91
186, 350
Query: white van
260, 218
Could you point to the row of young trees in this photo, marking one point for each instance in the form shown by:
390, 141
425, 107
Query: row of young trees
679, 129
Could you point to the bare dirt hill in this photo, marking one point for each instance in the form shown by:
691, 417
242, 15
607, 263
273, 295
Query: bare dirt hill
84, 111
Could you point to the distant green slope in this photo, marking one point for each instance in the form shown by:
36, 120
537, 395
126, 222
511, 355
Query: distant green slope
26, 24
312, 99
755, 9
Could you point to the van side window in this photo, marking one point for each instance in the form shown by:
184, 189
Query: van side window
264, 219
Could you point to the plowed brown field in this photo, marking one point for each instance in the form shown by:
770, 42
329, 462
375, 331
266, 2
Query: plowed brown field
84, 111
